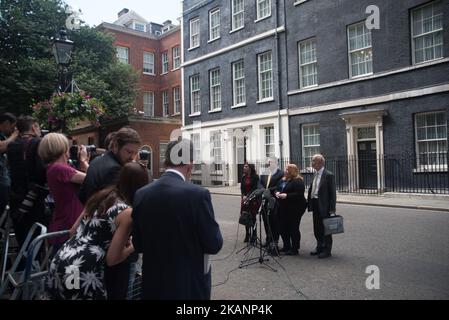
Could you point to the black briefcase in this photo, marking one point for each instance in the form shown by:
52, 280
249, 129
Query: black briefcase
333, 225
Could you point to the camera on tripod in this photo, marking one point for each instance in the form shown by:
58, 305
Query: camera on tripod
144, 155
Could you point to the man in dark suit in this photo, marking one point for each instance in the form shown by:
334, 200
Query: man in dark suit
269, 180
321, 200
175, 228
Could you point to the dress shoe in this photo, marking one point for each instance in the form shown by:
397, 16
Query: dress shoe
292, 252
284, 250
315, 253
323, 255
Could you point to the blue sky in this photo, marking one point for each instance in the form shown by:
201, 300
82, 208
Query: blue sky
95, 12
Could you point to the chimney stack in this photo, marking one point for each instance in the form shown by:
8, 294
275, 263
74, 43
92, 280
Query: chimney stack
122, 12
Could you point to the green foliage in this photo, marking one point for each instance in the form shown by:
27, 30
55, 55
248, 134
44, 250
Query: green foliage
27, 65
28, 69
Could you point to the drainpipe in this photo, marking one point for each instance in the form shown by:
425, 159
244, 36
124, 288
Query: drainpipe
279, 96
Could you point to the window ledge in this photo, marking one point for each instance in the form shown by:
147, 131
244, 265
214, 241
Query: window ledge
164, 73
362, 75
193, 48
238, 29
298, 2
215, 110
175, 69
427, 61
430, 169
240, 105
309, 87
265, 100
216, 173
260, 19
176, 114
196, 114
212, 40
149, 73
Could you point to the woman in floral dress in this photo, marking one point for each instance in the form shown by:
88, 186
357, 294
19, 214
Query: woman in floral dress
100, 235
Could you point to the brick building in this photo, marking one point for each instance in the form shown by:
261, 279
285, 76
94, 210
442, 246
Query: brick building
154, 51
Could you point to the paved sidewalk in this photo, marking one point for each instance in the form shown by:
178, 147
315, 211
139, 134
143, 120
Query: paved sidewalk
395, 200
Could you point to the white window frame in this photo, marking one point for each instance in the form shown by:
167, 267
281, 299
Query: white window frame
164, 59
149, 65
359, 50
302, 65
217, 152
196, 141
237, 16
194, 33
215, 89
426, 34
214, 29
140, 24
267, 8
165, 104
195, 95
122, 51
236, 84
269, 142
162, 146
436, 166
148, 106
176, 52
307, 164
269, 79
176, 100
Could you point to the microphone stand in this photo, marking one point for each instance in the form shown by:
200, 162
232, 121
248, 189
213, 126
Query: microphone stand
261, 259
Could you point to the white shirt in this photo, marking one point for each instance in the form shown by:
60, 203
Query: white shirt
177, 172
318, 175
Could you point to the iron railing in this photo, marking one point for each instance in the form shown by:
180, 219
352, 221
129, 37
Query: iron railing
402, 173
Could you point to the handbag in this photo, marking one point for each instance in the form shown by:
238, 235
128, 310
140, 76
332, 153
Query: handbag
246, 219
333, 225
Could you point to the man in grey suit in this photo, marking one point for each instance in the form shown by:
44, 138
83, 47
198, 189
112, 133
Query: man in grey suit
321, 200
175, 228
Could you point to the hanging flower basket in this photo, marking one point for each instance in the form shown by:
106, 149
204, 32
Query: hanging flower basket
65, 110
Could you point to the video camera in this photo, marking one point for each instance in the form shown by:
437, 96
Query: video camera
91, 150
144, 155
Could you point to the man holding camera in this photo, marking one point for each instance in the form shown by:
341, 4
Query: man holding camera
28, 178
103, 172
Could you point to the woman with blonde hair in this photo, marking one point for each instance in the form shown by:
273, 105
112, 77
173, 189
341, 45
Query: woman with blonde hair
291, 207
63, 182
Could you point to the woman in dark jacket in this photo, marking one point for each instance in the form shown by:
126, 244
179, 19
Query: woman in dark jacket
248, 184
291, 207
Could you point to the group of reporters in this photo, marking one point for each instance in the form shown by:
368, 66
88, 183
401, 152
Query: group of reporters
93, 201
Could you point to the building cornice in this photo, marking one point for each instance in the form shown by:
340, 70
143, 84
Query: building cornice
111, 26
400, 95
370, 77
229, 121
237, 45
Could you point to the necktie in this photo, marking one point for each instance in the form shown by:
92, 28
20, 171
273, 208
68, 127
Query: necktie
314, 185
268, 181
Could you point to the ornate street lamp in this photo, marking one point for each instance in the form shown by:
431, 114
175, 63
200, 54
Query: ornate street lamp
62, 49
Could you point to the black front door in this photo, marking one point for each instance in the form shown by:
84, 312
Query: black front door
367, 164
